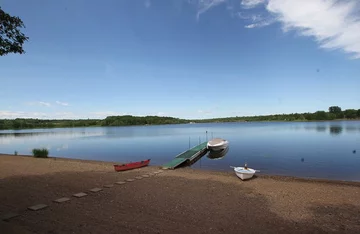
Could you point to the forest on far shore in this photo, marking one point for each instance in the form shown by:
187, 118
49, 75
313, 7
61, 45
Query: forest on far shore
333, 113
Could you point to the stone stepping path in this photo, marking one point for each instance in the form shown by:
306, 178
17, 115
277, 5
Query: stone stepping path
78, 195
61, 200
8, 216
95, 190
37, 207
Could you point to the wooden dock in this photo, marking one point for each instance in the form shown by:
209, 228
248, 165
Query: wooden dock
189, 156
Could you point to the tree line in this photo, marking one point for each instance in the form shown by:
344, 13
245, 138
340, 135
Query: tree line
334, 113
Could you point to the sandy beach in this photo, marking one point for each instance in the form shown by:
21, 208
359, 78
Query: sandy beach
172, 201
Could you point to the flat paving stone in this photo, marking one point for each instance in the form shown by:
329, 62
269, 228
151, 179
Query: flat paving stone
130, 180
95, 190
120, 182
145, 176
138, 177
8, 216
108, 185
61, 200
37, 207
160, 171
78, 195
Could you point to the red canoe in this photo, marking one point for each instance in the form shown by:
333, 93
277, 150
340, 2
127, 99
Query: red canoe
132, 165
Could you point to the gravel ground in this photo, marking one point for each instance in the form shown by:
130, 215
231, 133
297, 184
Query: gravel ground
176, 201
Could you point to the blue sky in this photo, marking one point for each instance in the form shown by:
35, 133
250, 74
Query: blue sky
188, 59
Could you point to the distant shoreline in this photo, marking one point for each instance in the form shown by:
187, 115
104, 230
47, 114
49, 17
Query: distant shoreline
164, 124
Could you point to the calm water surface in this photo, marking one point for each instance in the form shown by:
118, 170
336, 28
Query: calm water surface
317, 149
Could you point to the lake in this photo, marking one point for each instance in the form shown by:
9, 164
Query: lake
328, 150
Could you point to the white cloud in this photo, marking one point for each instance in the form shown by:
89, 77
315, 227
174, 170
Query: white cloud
44, 104
62, 103
39, 115
260, 24
104, 114
39, 104
205, 112
333, 24
251, 3
160, 114
20, 114
205, 5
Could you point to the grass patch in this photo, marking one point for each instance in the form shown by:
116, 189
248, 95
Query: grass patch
40, 153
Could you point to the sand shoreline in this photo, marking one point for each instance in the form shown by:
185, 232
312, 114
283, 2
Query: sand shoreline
258, 175
185, 200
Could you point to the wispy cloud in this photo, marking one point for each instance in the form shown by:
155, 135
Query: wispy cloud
44, 104
39, 104
205, 5
5, 114
160, 114
333, 24
204, 112
104, 114
20, 114
62, 103
251, 3
260, 24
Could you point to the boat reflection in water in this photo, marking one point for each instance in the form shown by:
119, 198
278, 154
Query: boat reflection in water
216, 155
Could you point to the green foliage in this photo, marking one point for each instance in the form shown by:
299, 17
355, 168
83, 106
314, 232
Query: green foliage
334, 109
11, 39
318, 115
21, 123
128, 120
40, 153
350, 114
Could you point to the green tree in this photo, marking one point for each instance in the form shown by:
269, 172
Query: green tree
358, 113
334, 109
350, 114
321, 115
11, 38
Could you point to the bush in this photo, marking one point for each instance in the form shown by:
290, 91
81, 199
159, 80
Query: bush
40, 153
15, 153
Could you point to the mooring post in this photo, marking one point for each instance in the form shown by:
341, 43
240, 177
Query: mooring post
206, 136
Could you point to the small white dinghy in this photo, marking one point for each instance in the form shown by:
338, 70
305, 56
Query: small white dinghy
244, 173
